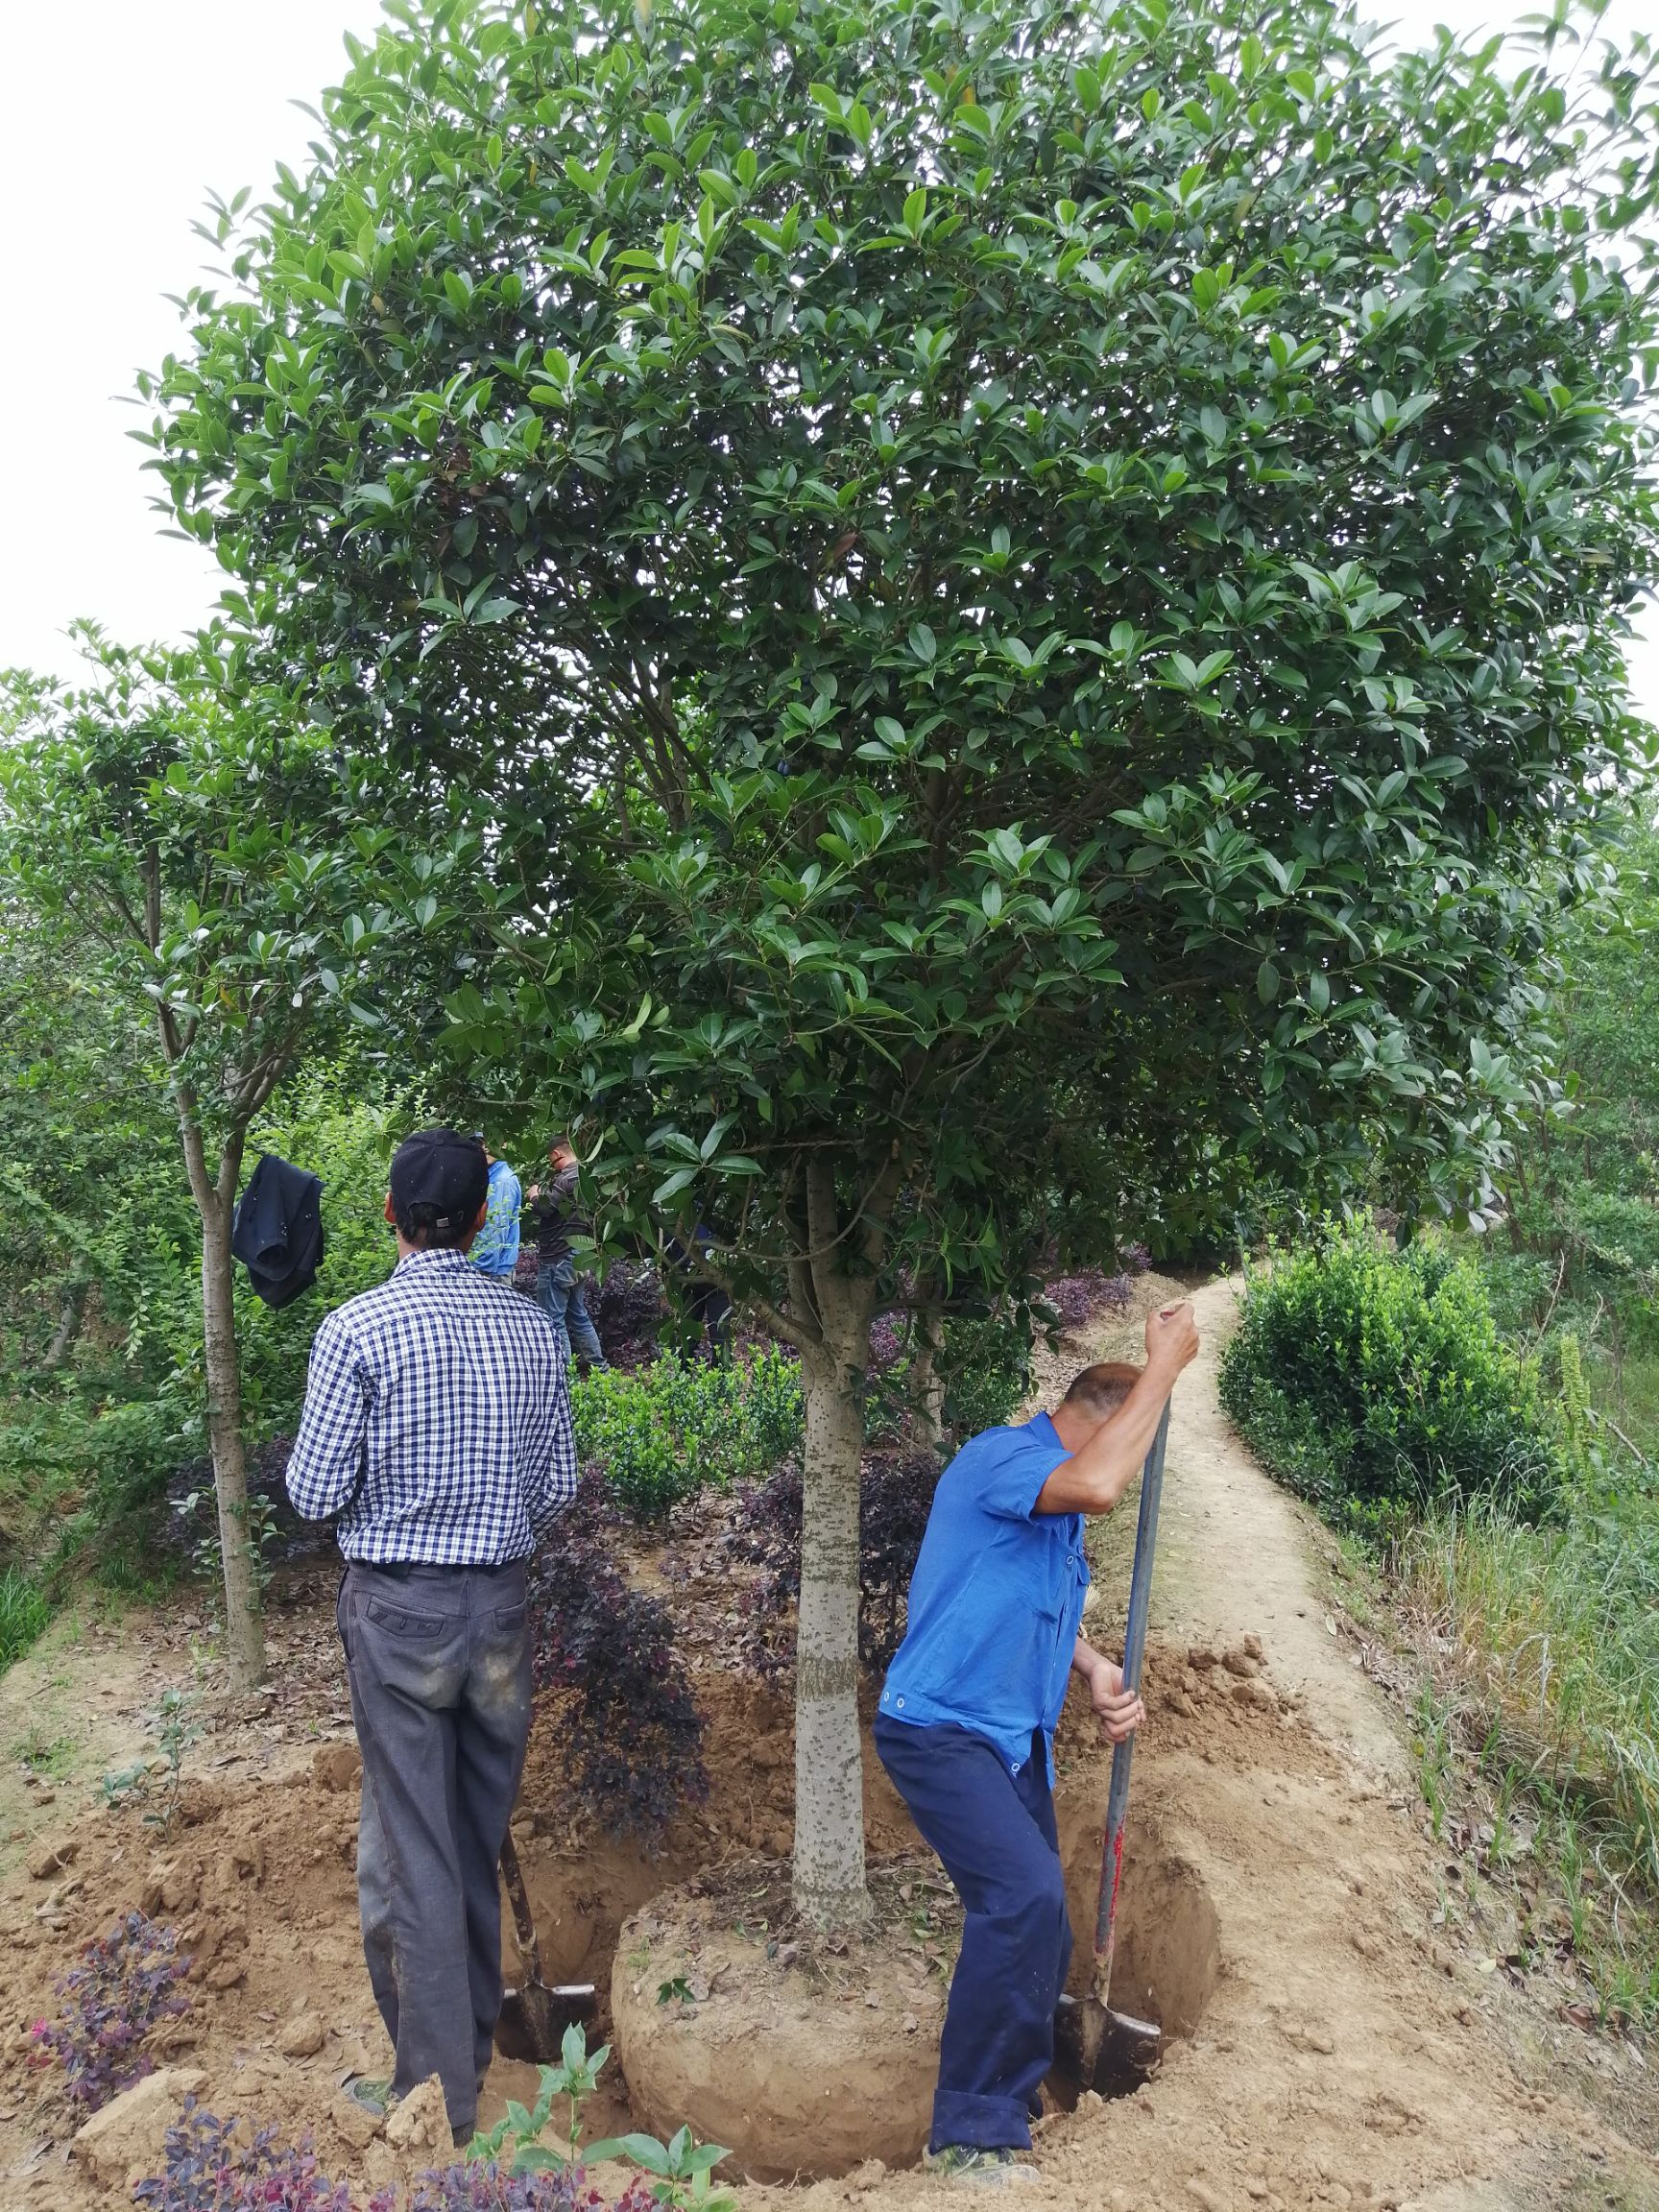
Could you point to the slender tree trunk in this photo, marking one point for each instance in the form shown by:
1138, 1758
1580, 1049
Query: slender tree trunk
244, 1621
215, 1203
926, 1382
829, 1890
68, 1327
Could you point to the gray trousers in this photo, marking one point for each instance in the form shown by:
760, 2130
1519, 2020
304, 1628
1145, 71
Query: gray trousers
439, 1665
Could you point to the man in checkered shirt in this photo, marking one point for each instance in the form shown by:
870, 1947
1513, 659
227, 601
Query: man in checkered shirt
437, 1424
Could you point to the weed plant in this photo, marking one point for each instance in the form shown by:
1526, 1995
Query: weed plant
24, 1613
1555, 1632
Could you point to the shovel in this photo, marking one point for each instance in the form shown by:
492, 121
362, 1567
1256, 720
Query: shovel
1112, 2047
534, 2017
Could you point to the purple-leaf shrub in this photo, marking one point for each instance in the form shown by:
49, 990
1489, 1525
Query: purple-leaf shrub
486, 2187
628, 1310
631, 1736
896, 1493
1076, 1298
208, 2170
127, 1983
887, 1339
1073, 1297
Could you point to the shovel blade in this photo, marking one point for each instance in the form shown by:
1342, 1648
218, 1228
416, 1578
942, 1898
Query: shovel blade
532, 2020
1109, 2052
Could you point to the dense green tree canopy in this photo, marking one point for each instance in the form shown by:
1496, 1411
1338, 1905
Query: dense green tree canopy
1007, 509
968, 555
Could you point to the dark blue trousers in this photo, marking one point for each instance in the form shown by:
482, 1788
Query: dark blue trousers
996, 1834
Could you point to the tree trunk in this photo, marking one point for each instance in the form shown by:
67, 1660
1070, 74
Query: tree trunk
68, 1327
829, 1890
244, 1617
244, 1621
926, 1384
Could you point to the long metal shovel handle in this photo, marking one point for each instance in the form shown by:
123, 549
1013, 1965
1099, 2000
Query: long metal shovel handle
1134, 1650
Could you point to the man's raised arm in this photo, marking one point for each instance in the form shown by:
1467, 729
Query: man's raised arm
1100, 1470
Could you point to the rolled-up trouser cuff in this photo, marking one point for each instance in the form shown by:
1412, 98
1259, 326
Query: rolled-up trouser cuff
981, 2123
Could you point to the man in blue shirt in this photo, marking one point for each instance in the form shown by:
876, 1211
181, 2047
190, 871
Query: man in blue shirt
967, 1719
496, 1247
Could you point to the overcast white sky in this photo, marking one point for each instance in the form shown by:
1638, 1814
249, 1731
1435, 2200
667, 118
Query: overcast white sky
102, 172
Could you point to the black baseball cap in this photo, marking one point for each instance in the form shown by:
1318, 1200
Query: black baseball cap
441, 1168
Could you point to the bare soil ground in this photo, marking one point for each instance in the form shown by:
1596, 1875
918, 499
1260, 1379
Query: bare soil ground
1341, 2044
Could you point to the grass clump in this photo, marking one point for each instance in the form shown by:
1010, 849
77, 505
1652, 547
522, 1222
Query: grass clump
1554, 1633
24, 1612
1375, 1382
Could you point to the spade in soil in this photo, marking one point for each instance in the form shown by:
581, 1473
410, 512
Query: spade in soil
1105, 2050
534, 2017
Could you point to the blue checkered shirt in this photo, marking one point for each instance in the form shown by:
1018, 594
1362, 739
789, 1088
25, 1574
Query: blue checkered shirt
444, 1389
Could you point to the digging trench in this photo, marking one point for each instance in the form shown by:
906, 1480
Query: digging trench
806, 2065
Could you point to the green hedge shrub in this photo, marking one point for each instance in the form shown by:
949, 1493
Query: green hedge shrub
668, 1431
1374, 1383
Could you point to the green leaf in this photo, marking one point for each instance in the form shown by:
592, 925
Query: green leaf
645, 2151
538, 2159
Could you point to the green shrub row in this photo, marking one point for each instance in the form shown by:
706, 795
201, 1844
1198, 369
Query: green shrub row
1375, 1382
668, 1431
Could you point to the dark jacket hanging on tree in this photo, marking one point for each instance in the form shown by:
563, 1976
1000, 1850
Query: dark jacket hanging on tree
277, 1230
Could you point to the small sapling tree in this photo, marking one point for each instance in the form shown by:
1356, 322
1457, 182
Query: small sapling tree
197, 837
991, 565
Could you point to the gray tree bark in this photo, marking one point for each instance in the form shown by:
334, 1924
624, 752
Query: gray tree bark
244, 1611
68, 1328
926, 1384
828, 1873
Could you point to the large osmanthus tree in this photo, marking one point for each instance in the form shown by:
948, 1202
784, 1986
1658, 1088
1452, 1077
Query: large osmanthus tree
983, 559
201, 842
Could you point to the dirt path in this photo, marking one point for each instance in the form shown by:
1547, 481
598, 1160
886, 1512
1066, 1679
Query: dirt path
1234, 1557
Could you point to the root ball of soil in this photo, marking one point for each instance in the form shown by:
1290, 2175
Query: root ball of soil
803, 2058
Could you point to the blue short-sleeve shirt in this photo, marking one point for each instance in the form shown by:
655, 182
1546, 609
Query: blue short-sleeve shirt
996, 1600
496, 1247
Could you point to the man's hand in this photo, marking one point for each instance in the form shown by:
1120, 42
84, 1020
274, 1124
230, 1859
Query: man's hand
1171, 1340
534, 1192
1120, 1711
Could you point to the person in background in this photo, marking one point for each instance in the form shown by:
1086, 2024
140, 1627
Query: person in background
558, 1292
437, 1426
709, 1305
496, 1249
